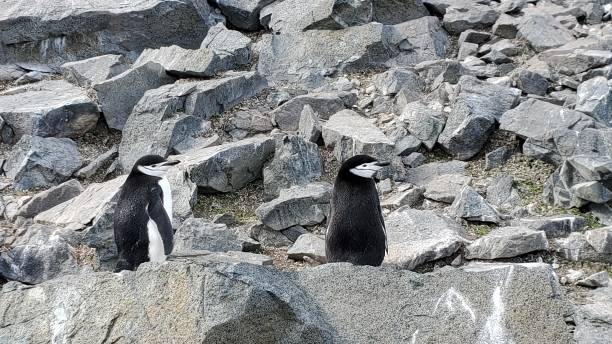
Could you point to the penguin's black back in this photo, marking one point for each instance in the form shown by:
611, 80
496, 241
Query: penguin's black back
131, 218
356, 232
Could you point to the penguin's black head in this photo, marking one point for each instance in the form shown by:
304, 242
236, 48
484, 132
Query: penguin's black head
361, 166
153, 165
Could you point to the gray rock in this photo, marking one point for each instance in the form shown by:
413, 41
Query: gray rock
506, 26
66, 32
309, 306
415, 237
393, 80
406, 195
422, 175
459, 19
594, 97
503, 195
467, 49
496, 57
225, 218
444, 188
398, 11
577, 248
308, 245
42, 162
507, 242
600, 279
557, 145
350, 134
30, 77
172, 114
269, 238
296, 16
574, 61
287, 116
182, 62
84, 209
506, 47
50, 198
119, 94
407, 145
48, 108
497, 157
414, 159
511, 6
423, 122
251, 121
466, 132
304, 205
602, 212
10, 72
592, 316
309, 126
470, 206
295, 57
295, 162
534, 118
554, 226
231, 46
543, 32
531, 82
91, 71
43, 253
198, 234
243, 14
473, 36
184, 193
227, 167
100, 161
484, 98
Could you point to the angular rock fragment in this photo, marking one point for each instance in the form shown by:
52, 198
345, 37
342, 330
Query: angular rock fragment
85, 73
469, 205
308, 245
507, 242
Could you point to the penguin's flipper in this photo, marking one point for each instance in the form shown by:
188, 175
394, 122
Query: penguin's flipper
157, 213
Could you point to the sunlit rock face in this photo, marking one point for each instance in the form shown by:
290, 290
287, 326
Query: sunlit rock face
202, 302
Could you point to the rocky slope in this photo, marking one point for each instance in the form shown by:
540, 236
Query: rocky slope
495, 116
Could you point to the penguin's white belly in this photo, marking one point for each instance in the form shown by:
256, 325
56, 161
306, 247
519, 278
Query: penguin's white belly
167, 196
156, 244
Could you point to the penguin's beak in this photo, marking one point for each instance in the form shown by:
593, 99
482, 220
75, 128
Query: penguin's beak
171, 163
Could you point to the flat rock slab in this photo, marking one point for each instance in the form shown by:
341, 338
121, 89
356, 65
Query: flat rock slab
303, 205
227, 167
350, 134
333, 303
423, 174
308, 245
49, 198
198, 234
77, 213
415, 237
553, 226
507, 242
85, 73
66, 31
48, 108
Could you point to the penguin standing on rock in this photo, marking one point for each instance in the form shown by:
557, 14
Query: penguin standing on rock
143, 216
356, 230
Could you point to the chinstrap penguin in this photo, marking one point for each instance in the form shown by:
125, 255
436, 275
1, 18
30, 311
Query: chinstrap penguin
356, 229
143, 215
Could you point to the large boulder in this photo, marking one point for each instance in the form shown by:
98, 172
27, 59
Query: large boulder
227, 167
296, 57
573, 60
543, 32
42, 162
65, 31
44, 253
245, 303
461, 18
172, 114
85, 73
118, 95
415, 237
49, 108
295, 162
325, 104
350, 134
557, 145
303, 205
